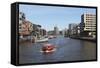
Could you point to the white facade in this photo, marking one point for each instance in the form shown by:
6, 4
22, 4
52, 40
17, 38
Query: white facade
89, 21
88, 24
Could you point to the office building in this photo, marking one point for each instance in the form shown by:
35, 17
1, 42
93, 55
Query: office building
72, 29
56, 30
88, 24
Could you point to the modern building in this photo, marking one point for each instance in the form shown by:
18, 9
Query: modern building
72, 29
56, 30
28, 29
65, 32
76, 30
88, 24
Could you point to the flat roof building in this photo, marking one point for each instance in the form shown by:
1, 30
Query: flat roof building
88, 23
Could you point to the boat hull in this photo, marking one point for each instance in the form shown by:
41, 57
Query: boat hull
48, 51
42, 40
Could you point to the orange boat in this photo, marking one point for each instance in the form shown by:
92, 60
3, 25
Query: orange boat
48, 48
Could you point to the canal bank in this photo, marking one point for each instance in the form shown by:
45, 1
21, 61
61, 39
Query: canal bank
85, 38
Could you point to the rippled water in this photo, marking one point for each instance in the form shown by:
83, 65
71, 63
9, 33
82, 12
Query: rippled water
67, 50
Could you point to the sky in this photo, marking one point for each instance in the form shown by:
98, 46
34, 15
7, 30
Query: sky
50, 16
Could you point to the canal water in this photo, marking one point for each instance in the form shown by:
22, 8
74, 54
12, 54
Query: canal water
67, 49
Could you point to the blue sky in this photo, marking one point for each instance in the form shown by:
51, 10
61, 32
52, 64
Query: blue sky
48, 16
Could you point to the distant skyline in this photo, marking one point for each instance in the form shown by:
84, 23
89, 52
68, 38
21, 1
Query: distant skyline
50, 16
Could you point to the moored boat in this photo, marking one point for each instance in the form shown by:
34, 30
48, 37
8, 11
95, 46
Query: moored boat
52, 36
42, 40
